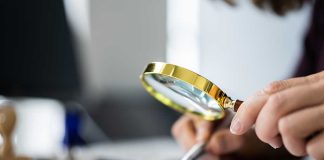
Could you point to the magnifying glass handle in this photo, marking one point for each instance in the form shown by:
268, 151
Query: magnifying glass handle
237, 104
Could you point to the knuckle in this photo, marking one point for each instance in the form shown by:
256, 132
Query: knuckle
275, 100
176, 128
217, 144
319, 114
214, 147
276, 86
316, 81
314, 78
284, 126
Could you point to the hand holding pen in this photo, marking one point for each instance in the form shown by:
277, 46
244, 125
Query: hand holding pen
206, 140
194, 133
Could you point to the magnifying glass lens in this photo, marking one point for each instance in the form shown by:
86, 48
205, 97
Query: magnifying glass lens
185, 95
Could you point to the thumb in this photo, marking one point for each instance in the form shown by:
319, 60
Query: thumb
224, 142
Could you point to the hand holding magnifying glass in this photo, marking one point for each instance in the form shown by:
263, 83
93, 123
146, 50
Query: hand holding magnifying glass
187, 92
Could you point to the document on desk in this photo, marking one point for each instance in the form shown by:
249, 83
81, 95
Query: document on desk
142, 149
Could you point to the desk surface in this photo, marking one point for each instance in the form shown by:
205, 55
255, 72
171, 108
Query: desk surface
163, 148
154, 148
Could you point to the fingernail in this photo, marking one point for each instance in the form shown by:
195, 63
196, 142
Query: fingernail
235, 126
275, 145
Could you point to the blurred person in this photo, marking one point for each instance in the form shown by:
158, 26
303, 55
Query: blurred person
283, 120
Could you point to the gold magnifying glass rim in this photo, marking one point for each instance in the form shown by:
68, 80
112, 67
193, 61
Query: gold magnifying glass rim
189, 77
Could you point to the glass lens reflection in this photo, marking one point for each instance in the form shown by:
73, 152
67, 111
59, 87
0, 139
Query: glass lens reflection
184, 94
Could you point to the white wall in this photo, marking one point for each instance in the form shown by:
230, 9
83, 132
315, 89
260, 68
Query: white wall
116, 39
183, 27
125, 36
239, 48
243, 48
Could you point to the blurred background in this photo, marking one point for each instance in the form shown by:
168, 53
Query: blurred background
76, 64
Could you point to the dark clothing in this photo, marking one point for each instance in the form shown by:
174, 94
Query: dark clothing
312, 60
37, 54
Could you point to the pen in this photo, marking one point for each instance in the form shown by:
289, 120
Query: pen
195, 152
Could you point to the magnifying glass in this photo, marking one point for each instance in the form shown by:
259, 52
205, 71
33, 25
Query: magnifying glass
186, 91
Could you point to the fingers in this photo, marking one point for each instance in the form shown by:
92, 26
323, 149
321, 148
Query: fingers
251, 108
219, 143
184, 132
285, 84
287, 95
189, 130
295, 128
224, 142
209, 157
247, 113
315, 147
286, 112
204, 130
281, 104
